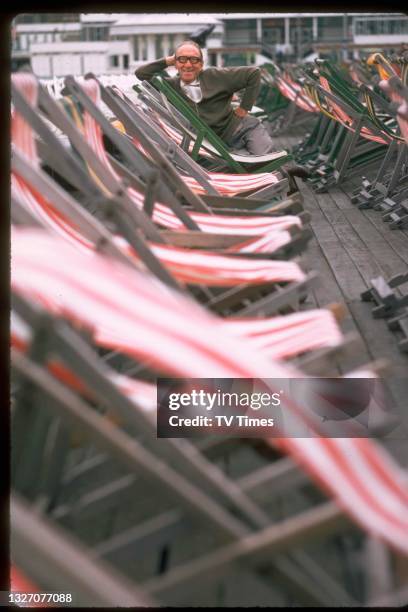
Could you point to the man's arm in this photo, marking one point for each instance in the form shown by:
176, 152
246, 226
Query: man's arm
148, 71
247, 78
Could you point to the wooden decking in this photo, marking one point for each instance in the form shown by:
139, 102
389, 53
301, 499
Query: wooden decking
350, 247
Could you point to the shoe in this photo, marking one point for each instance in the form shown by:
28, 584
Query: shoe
298, 171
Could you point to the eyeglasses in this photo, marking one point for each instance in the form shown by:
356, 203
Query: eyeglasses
183, 59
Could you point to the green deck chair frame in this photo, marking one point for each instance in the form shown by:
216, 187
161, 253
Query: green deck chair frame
203, 131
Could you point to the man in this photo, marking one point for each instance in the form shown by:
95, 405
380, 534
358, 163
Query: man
210, 91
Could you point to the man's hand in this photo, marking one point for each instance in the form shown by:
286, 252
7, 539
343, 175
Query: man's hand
170, 60
240, 112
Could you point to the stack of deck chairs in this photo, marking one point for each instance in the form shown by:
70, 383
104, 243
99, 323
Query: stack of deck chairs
361, 129
132, 260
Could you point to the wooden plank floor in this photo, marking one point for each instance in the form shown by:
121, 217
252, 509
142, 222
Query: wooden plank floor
350, 247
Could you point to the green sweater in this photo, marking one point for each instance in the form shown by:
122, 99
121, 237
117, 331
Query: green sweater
217, 86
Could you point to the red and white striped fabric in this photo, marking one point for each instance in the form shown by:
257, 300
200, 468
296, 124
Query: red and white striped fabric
163, 215
285, 336
125, 310
189, 266
295, 93
225, 184
50, 217
141, 392
347, 121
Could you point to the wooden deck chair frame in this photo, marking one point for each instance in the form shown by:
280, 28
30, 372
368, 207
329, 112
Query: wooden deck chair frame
183, 238
140, 126
295, 115
354, 150
79, 417
187, 467
277, 297
127, 149
93, 230
237, 163
131, 116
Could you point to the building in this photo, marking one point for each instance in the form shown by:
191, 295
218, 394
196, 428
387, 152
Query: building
58, 44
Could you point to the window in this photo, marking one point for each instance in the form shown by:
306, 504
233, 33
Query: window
126, 61
171, 44
136, 48
159, 46
114, 61
139, 48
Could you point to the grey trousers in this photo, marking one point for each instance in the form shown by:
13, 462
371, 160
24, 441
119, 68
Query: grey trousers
251, 137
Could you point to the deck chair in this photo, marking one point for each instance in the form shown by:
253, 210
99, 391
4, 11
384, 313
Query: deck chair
252, 186
58, 211
279, 337
269, 97
135, 306
263, 222
222, 490
140, 128
299, 103
176, 126
207, 222
355, 145
182, 265
204, 134
389, 192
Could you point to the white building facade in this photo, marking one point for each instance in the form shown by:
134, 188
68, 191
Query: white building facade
116, 43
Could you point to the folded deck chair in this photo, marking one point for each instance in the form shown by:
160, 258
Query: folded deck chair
203, 136
123, 309
215, 269
255, 186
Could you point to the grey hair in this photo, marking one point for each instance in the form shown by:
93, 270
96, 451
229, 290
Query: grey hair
189, 42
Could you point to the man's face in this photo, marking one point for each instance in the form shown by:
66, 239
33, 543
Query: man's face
188, 71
